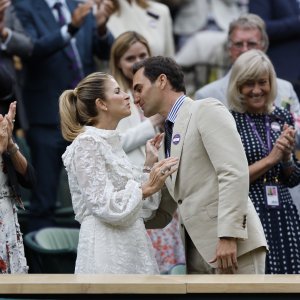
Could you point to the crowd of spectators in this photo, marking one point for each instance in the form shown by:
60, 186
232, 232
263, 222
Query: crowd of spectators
48, 46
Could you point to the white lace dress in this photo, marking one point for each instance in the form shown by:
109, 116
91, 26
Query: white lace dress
107, 201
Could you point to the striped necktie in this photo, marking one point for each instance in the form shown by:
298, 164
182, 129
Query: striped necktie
75, 66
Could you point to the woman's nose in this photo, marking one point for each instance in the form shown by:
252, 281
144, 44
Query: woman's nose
256, 89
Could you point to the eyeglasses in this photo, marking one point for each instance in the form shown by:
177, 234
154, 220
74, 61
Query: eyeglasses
242, 44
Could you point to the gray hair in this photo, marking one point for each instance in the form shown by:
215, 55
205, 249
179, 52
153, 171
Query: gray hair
250, 21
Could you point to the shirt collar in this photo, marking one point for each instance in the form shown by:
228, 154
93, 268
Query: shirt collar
52, 2
175, 108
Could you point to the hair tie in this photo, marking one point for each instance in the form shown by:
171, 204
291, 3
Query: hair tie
75, 91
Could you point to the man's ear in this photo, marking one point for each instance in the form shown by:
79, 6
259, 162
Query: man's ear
100, 104
162, 81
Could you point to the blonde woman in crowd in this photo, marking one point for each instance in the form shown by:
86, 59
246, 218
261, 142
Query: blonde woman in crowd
110, 196
268, 136
127, 49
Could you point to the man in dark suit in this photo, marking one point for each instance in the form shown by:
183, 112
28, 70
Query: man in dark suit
66, 34
283, 27
13, 42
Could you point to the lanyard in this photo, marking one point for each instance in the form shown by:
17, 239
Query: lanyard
267, 147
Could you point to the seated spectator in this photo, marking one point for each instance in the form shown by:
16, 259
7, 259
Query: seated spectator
197, 18
149, 18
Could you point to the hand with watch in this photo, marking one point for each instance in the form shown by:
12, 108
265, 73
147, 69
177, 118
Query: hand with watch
78, 17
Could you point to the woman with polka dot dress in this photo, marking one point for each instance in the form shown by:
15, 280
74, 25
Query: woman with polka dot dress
268, 136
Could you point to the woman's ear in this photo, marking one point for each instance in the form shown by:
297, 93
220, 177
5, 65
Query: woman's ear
100, 104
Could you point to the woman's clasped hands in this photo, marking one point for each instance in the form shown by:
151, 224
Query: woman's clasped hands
285, 144
6, 128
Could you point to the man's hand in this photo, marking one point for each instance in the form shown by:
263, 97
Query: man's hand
226, 255
80, 13
104, 9
4, 4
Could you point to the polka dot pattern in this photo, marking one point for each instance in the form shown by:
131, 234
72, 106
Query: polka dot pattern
281, 225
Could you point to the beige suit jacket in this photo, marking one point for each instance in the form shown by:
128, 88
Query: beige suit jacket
212, 182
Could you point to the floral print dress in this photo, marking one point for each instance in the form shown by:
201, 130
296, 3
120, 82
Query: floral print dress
12, 258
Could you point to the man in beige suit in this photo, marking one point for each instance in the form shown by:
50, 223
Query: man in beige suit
222, 231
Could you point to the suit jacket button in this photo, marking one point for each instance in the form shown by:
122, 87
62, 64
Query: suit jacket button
179, 202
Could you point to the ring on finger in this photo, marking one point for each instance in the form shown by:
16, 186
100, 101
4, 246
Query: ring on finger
162, 172
13, 120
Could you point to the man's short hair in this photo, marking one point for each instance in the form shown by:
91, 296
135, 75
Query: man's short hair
157, 65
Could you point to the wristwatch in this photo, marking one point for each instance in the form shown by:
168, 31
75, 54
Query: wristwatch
287, 164
13, 150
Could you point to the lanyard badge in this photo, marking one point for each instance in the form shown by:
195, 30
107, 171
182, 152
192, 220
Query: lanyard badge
272, 198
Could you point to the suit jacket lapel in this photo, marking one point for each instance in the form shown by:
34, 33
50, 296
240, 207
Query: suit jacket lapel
44, 11
179, 132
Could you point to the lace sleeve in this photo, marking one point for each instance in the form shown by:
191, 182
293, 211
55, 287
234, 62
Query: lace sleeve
110, 203
150, 204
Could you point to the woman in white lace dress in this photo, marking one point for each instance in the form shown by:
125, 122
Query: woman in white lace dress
111, 198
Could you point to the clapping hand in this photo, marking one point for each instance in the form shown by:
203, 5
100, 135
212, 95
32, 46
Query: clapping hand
10, 117
3, 134
4, 4
80, 13
104, 9
286, 142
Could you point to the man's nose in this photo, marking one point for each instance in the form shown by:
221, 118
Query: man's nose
136, 98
